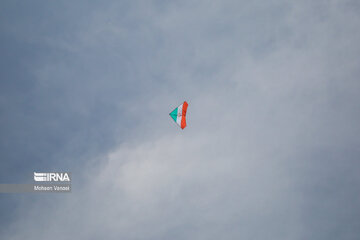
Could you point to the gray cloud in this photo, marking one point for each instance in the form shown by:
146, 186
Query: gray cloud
271, 149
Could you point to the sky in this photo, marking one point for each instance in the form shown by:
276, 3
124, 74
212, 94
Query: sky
272, 146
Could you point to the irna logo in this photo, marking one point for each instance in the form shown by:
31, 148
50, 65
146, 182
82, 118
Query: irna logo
52, 177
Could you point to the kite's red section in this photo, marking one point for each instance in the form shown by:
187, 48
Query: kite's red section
183, 117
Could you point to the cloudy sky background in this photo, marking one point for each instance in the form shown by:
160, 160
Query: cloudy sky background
272, 146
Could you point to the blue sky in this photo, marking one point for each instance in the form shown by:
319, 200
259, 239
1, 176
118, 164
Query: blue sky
271, 150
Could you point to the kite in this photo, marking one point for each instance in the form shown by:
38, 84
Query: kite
179, 115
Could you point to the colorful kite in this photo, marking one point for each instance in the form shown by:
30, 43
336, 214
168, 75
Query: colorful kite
179, 115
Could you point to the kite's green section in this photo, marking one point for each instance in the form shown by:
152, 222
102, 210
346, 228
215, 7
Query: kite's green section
173, 114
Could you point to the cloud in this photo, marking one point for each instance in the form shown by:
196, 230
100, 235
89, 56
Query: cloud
270, 150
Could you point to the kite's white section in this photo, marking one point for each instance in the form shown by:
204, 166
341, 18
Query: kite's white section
178, 119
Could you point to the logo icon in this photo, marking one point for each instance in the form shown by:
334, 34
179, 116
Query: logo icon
52, 177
